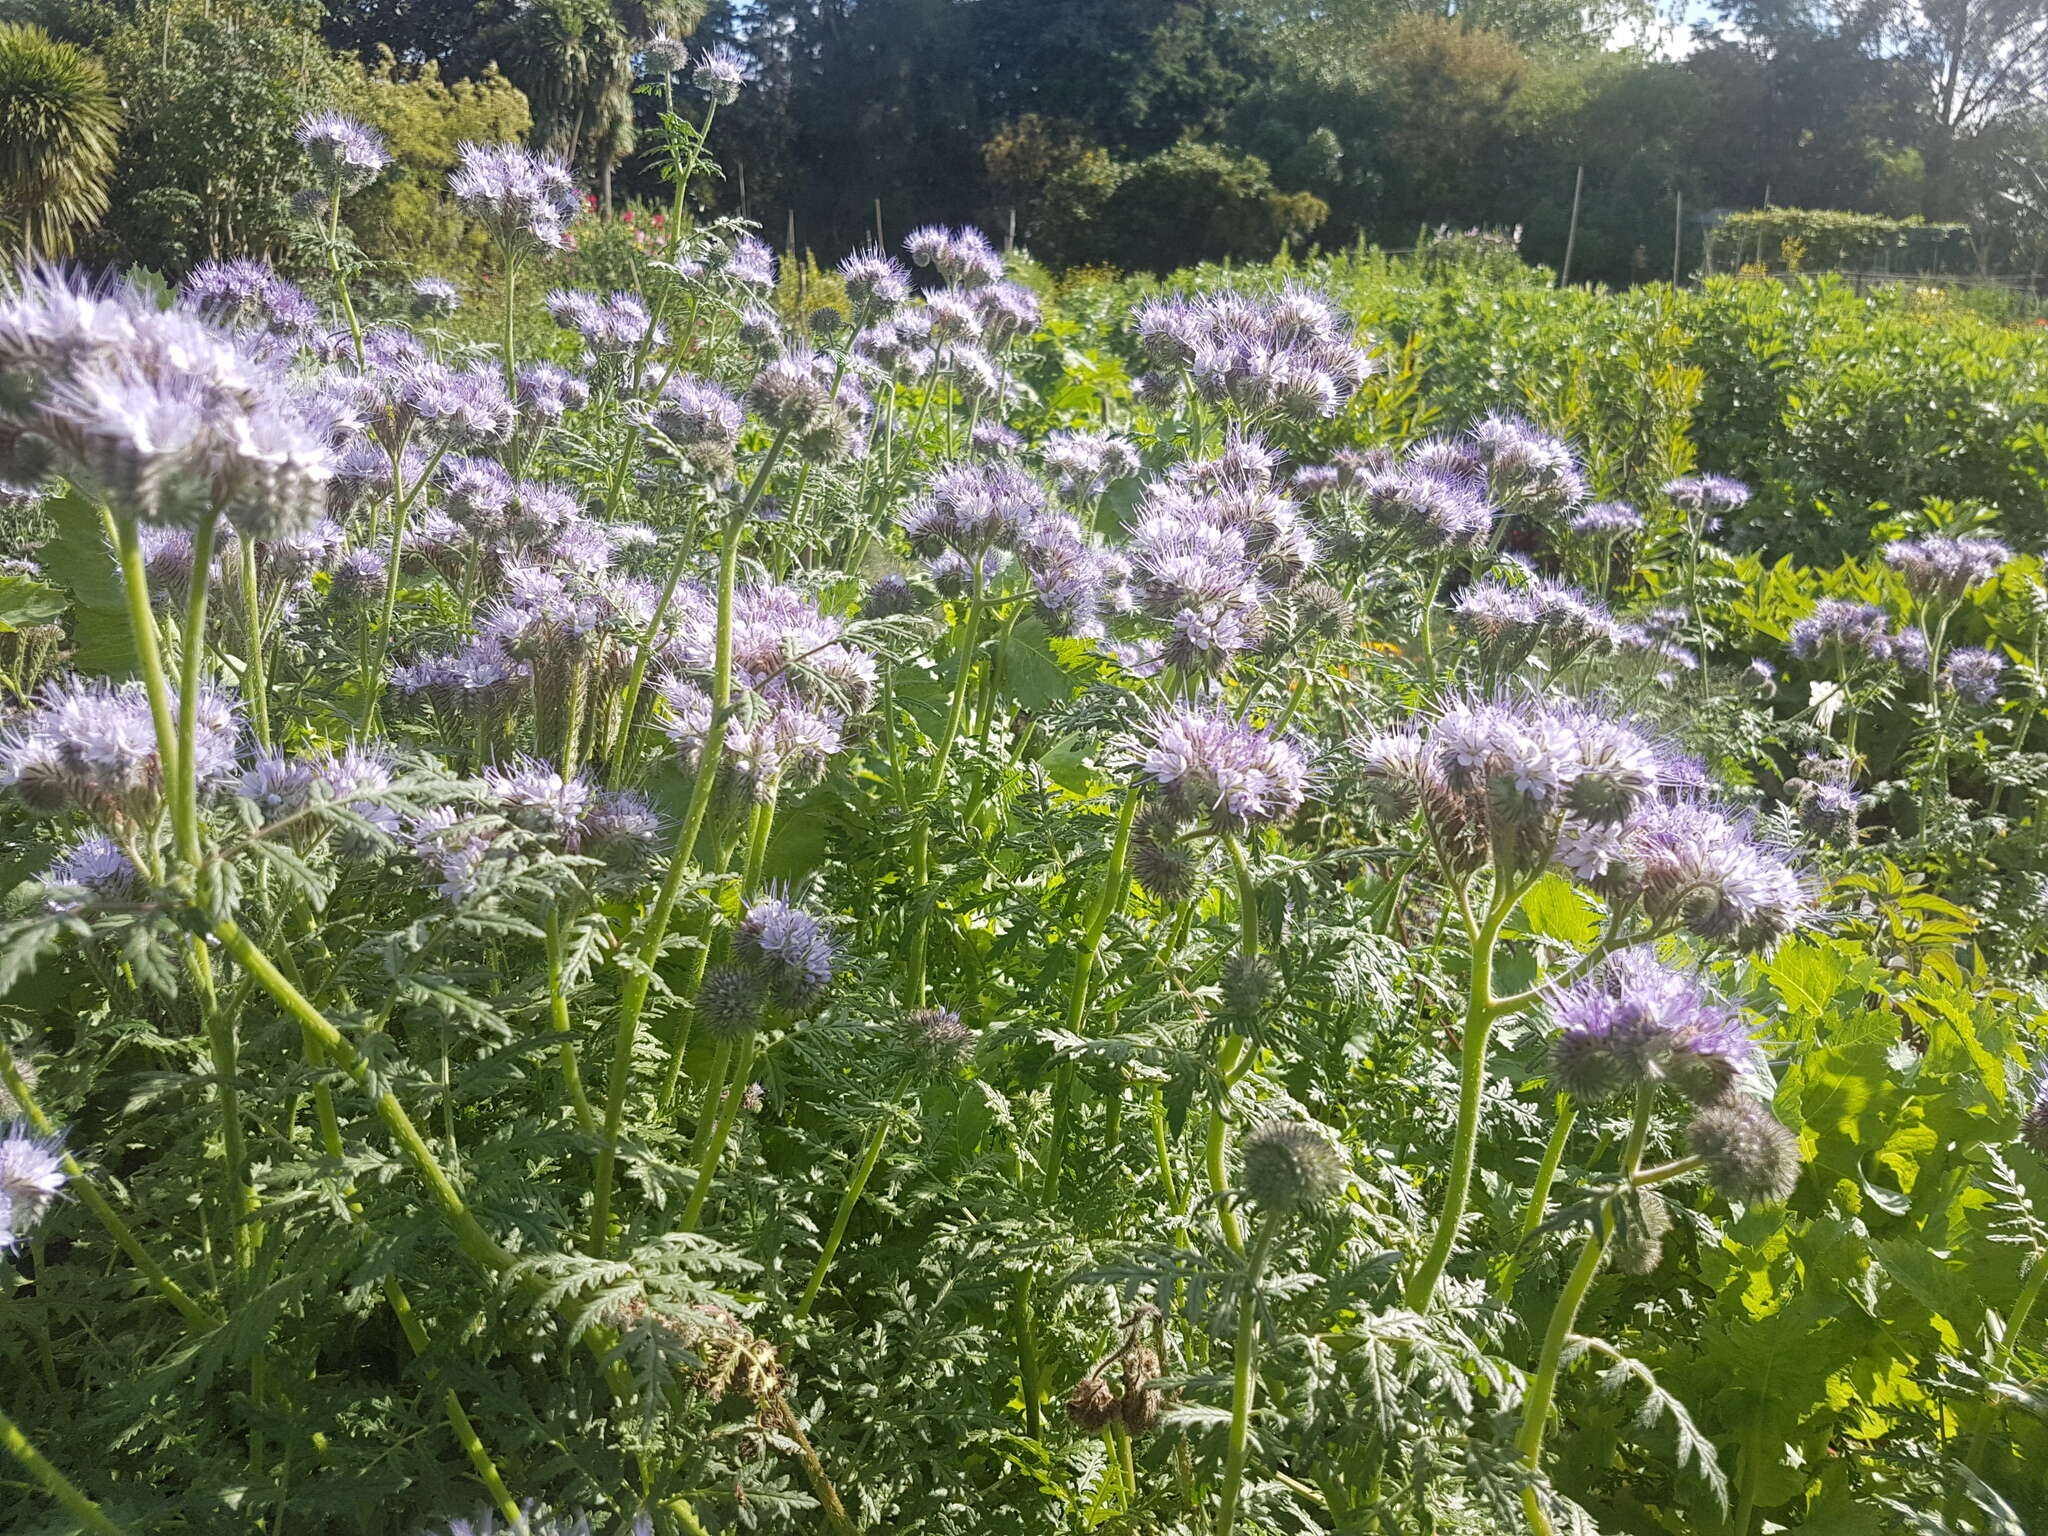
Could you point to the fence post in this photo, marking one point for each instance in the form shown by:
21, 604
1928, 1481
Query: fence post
1571, 238
1677, 238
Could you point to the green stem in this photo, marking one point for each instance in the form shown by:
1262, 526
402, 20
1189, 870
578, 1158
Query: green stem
1563, 1316
80, 1183
1539, 1193
558, 1020
1246, 1382
487, 1253
255, 688
735, 1095
1024, 1323
1109, 900
55, 1483
633, 996
851, 1199
511, 283
921, 836
1479, 1020
148, 654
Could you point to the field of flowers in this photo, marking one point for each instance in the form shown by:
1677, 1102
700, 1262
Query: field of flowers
1268, 905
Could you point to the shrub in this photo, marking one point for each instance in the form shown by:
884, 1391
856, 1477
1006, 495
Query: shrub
58, 125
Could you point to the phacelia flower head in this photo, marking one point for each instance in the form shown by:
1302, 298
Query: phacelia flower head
535, 797
91, 868
875, 283
789, 948
1714, 495
1606, 521
721, 71
31, 1178
1528, 467
1940, 570
525, 200
1749, 1154
1291, 1165
1972, 673
1698, 869
664, 54
935, 1041
248, 294
1212, 768
1638, 1023
346, 154
432, 298
1839, 630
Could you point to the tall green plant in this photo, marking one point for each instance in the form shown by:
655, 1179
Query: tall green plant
58, 132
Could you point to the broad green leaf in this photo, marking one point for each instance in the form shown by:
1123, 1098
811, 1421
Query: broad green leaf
76, 557
1557, 909
25, 601
1807, 975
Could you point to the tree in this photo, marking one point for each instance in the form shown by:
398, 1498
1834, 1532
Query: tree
574, 59
1976, 63
58, 132
208, 165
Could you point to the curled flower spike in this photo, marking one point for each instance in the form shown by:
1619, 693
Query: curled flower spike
1940, 570
525, 200
1972, 673
346, 154
721, 71
1637, 1024
91, 868
31, 1178
1211, 768
788, 948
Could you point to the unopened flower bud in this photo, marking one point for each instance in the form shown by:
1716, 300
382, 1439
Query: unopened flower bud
1750, 1156
1291, 1165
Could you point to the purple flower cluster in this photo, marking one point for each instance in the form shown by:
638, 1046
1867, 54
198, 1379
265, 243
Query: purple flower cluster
525, 200
92, 869
90, 745
1514, 619
1211, 769
721, 71
818, 411
1606, 521
1434, 500
1209, 544
1940, 571
788, 950
31, 1178
433, 298
963, 258
696, 419
163, 416
1084, 464
1840, 632
1972, 673
876, 283
1639, 1024
1527, 469
610, 327
1528, 784
1292, 352
1710, 497
347, 155
247, 294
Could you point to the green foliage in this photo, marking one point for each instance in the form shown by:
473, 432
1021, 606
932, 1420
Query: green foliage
1192, 198
405, 214
1828, 238
58, 125
208, 163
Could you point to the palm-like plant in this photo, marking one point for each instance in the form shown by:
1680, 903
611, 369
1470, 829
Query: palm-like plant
58, 134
